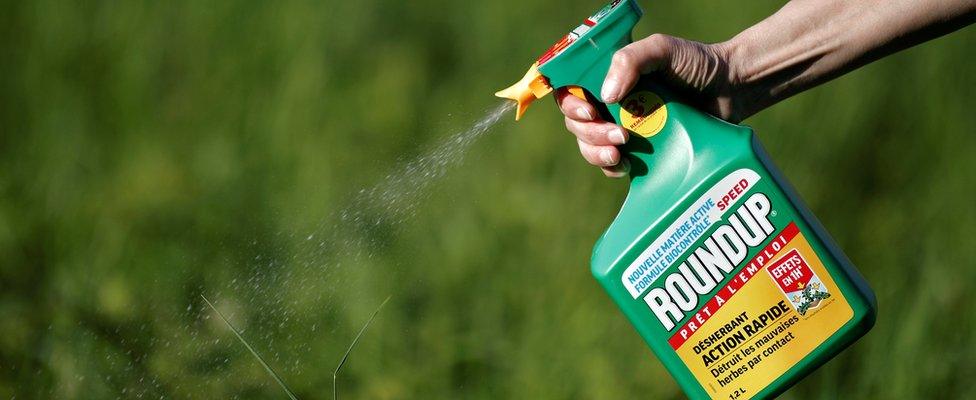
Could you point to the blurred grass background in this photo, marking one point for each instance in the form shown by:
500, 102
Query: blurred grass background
151, 152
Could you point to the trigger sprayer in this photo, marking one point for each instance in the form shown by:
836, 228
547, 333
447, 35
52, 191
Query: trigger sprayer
714, 258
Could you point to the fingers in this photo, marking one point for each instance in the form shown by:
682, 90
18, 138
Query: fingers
575, 107
600, 156
608, 158
632, 61
597, 133
617, 171
596, 138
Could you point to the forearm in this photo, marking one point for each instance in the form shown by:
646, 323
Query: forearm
809, 42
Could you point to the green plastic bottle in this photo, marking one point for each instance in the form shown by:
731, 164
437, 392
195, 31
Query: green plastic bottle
713, 258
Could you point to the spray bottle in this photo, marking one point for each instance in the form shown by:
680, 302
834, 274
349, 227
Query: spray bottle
721, 268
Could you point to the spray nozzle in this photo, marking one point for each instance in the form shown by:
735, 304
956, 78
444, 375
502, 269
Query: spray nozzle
578, 61
532, 86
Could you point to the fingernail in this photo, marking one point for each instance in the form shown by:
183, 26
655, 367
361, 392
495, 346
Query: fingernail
620, 170
584, 113
617, 136
606, 156
609, 92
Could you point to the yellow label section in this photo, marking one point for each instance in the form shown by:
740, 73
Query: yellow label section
778, 315
644, 113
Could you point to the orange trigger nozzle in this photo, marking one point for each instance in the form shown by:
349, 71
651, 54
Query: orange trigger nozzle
532, 86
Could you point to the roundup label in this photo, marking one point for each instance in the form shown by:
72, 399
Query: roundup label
737, 289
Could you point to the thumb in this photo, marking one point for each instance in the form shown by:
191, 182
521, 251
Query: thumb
629, 63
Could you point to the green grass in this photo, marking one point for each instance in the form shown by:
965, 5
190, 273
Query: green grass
151, 152
237, 333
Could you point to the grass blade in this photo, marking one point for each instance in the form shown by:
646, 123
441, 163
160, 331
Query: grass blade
253, 352
335, 375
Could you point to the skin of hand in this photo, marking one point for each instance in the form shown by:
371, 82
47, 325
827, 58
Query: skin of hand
804, 44
699, 72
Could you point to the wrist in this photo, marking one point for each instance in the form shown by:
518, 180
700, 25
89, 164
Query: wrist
742, 97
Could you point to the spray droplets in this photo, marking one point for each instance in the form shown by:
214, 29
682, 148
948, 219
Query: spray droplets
282, 288
395, 199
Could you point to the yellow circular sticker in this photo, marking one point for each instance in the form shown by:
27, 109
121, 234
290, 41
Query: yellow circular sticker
643, 113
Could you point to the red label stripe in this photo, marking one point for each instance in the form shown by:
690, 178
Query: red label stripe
738, 281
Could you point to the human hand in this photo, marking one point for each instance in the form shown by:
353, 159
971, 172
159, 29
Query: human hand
802, 45
698, 72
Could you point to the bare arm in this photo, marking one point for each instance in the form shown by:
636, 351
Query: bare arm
809, 42
804, 44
